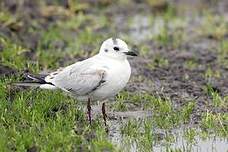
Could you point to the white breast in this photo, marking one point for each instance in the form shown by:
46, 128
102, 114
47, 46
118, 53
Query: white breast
118, 74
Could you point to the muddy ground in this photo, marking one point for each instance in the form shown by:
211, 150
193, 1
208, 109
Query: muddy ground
162, 71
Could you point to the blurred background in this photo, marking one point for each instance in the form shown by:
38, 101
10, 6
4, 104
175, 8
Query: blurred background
75, 29
181, 72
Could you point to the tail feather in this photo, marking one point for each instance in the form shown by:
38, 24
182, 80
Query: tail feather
27, 84
35, 81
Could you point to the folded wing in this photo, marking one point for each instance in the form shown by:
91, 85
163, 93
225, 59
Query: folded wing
79, 79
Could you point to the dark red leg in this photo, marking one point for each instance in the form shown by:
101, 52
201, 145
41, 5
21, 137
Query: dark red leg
104, 114
89, 111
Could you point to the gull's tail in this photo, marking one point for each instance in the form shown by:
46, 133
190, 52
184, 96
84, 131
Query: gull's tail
35, 81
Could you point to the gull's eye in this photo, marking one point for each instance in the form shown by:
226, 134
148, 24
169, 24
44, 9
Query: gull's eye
106, 50
116, 48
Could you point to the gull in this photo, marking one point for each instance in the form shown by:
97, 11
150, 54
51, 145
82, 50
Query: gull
94, 79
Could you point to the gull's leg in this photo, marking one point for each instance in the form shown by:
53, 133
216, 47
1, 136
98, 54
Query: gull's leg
104, 114
89, 111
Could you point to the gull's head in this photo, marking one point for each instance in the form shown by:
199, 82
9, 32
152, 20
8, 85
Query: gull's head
115, 48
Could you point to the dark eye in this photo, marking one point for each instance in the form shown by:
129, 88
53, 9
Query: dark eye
116, 48
106, 50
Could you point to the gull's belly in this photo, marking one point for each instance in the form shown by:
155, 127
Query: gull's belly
115, 81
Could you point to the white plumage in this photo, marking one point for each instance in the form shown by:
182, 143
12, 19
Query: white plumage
98, 77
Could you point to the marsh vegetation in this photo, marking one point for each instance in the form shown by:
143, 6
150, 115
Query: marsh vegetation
176, 100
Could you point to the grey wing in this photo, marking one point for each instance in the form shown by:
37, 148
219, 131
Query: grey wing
80, 79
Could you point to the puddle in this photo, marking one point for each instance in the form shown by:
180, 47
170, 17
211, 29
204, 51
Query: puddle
145, 27
179, 142
212, 144
140, 28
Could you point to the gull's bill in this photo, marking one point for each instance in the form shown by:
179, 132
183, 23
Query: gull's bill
131, 53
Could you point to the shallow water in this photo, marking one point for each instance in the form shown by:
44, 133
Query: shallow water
118, 119
212, 144
209, 144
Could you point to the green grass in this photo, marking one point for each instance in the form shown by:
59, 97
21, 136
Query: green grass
217, 99
190, 135
223, 53
191, 64
158, 62
212, 73
213, 25
47, 120
12, 54
215, 123
50, 120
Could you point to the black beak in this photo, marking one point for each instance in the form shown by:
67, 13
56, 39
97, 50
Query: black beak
131, 53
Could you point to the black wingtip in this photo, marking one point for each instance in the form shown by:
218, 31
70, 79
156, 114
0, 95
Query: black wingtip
39, 79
